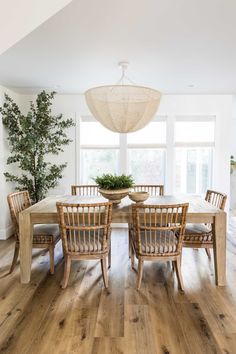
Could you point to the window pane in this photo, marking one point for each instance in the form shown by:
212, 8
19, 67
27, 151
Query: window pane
193, 170
194, 131
153, 133
147, 165
93, 133
96, 162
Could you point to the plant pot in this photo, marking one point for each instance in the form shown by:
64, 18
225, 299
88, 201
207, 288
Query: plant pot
114, 195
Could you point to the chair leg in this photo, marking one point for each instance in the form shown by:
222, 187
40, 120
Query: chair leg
15, 257
208, 252
109, 256
104, 272
51, 255
129, 242
179, 274
132, 257
109, 259
140, 273
67, 266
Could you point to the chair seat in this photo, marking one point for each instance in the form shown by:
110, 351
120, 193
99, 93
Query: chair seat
84, 244
158, 243
198, 233
46, 233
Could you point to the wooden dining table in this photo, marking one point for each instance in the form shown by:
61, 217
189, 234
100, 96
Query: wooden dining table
200, 211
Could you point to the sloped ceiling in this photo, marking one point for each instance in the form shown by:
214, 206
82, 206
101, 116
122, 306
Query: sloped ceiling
175, 46
19, 18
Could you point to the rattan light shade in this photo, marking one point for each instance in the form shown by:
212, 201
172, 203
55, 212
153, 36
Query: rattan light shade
123, 108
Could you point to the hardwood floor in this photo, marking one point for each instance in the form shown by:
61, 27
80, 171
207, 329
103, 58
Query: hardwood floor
40, 317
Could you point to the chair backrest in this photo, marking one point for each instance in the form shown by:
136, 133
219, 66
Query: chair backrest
216, 198
152, 189
85, 228
159, 229
85, 190
18, 202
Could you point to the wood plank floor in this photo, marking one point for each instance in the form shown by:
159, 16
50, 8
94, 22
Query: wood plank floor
85, 318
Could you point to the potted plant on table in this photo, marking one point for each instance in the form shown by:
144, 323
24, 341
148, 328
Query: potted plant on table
114, 187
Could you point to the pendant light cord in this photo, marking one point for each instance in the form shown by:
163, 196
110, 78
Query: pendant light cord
121, 81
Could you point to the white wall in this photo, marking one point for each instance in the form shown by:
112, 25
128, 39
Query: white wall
19, 18
233, 152
6, 229
171, 106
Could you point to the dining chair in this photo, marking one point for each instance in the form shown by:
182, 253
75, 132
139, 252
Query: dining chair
85, 190
154, 190
202, 235
44, 235
85, 233
158, 235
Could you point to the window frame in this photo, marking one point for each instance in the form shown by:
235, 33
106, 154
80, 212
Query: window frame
189, 145
169, 146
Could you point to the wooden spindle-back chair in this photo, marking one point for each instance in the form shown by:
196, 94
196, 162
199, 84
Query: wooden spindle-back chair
85, 190
153, 189
158, 235
85, 233
44, 236
202, 235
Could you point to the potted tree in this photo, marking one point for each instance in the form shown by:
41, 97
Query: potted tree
114, 187
32, 137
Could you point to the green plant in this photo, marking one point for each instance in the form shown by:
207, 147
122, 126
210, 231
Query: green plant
32, 137
109, 181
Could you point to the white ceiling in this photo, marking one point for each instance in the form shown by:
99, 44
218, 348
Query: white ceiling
18, 18
170, 44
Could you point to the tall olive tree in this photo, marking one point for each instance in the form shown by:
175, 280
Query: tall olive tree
32, 137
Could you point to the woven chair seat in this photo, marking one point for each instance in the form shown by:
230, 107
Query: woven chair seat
43, 233
156, 242
84, 244
198, 233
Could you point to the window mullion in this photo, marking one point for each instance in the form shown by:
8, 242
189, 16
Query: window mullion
170, 155
123, 164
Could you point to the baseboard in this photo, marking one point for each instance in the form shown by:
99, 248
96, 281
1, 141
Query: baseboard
6, 233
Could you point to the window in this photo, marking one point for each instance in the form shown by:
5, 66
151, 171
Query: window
94, 134
148, 147
194, 143
95, 162
181, 149
153, 133
193, 170
151, 170
99, 151
194, 132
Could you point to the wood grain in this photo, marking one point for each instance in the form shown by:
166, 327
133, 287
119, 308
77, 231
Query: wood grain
199, 211
40, 317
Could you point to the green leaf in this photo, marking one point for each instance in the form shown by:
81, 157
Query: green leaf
32, 137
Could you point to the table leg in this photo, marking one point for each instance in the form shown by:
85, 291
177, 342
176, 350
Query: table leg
26, 231
220, 249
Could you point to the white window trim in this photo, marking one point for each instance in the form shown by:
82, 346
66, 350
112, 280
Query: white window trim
169, 146
195, 144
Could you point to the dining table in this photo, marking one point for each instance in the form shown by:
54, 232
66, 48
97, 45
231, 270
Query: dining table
199, 211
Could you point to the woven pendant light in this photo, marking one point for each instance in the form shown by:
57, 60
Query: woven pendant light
123, 108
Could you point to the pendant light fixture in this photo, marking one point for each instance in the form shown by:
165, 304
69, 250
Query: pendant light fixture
123, 108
